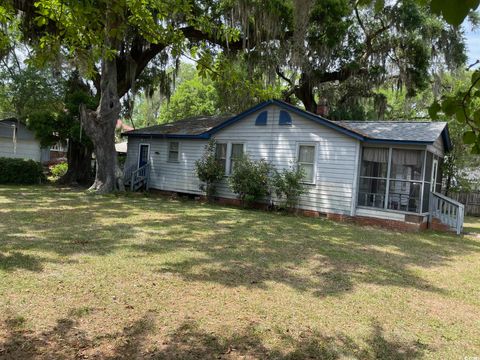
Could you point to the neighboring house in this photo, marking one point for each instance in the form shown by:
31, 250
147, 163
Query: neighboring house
371, 171
16, 141
58, 152
473, 177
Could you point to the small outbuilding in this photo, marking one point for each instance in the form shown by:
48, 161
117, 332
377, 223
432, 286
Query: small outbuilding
17, 141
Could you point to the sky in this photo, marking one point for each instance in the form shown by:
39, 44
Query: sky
473, 43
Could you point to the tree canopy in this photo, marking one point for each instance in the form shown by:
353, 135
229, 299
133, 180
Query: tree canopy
315, 49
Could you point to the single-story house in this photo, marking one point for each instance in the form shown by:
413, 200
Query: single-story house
373, 171
16, 141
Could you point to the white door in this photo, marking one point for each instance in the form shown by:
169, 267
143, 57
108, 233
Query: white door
434, 175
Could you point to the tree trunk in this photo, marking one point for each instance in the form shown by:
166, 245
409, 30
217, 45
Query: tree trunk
100, 127
448, 184
304, 92
79, 164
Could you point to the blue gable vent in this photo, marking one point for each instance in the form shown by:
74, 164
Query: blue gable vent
261, 119
285, 118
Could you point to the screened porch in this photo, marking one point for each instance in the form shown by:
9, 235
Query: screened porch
398, 179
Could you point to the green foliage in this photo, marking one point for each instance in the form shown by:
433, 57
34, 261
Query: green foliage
454, 12
288, 186
209, 170
30, 90
250, 179
192, 97
58, 170
463, 105
237, 88
19, 171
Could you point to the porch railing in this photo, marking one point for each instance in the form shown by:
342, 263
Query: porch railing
136, 178
448, 211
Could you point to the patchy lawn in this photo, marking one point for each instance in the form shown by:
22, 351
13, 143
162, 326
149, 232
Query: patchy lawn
144, 277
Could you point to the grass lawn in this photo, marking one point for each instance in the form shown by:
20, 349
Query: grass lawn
130, 277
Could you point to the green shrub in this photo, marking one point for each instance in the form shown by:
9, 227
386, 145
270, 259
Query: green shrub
58, 170
19, 171
287, 185
209, 170
250, 179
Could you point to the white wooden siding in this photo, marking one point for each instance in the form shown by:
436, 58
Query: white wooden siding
25, 149
437, 147
170, 176
336, 159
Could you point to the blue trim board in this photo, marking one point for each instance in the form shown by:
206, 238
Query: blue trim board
391, 141
305, 114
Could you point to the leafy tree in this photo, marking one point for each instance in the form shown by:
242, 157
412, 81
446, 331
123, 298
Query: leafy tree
49, 105
464, 105
123, 38
459, 161
191, 98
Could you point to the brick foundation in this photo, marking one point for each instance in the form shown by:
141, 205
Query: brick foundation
436, 225
413, 222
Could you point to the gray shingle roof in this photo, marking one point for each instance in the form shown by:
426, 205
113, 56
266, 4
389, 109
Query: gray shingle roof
203, 127
191, 126
396, 130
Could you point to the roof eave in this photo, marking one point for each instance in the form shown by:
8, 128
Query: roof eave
202, 136
394, 141
447, 142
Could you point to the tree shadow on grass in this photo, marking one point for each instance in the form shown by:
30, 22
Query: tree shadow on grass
17, 260
306, 254
229, 246
141, 339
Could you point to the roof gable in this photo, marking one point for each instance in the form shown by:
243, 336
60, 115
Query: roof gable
413, 133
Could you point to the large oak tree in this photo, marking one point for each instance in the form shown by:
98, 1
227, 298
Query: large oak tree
114, 41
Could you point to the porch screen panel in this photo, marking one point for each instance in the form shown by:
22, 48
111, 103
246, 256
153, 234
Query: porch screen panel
439, 179
426, 197
404, 192
373, 177
426, 184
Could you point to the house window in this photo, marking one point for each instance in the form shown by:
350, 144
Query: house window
394, 179
221, 154
373, 177
306, 162
173, 151
236, 153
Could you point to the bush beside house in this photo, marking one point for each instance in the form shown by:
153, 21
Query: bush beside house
19, 171
209, 170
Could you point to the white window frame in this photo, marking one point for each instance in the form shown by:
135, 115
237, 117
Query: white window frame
297, 157
226, 154
139, 152
178, 152
229, 153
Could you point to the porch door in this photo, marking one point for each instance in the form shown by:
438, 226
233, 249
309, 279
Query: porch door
433, 181
143, 157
